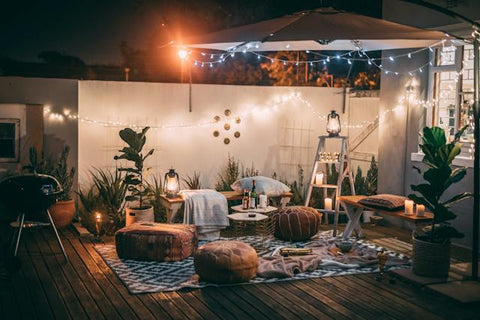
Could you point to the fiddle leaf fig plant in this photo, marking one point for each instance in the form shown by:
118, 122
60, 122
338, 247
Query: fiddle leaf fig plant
134, 178
439, 176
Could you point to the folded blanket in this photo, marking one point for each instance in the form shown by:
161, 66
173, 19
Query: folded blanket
207, 209
324, 255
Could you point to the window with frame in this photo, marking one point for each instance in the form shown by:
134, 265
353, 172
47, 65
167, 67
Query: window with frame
9, 140
451, 89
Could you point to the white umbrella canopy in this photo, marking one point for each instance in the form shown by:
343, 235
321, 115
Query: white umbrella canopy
319, 29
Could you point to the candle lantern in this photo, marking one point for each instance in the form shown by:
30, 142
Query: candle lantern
171, 184
333, 124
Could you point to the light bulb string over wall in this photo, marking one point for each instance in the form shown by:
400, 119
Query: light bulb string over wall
284, 99
219, 58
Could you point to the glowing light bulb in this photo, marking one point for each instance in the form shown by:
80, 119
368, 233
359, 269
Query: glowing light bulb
409, 56
391, 58
182, 54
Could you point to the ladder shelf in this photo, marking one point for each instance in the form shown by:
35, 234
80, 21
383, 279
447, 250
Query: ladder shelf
344, 171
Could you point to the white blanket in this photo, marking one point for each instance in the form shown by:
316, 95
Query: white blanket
207, 209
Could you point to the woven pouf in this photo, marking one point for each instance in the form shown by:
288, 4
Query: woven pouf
297, 223
226, 262
156, 242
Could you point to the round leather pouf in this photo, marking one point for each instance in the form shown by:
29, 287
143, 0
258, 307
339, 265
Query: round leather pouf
226, 262
297, 223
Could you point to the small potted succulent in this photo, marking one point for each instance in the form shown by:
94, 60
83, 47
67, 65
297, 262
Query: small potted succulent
134, 178
431, 246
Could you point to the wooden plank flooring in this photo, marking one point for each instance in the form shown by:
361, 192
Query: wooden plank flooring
86, 288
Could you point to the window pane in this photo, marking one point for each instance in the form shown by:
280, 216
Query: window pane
446, 56
445, 97
7, 140
467, 74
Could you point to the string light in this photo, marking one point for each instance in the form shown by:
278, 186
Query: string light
324, 59
282, 100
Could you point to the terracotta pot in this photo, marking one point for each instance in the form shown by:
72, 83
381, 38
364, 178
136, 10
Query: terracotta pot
144, 214
431, 259
62, 213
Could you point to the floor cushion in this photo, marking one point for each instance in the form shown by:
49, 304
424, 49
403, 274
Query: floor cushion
226, 262
297, 223
156, 241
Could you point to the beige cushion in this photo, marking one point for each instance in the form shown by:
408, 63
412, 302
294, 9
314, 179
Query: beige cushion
226, 262
385, 201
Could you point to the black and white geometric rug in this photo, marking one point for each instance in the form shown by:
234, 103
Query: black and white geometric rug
151, 276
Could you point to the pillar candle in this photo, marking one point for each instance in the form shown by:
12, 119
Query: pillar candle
408, 207
319, 178
328, 203
420, 210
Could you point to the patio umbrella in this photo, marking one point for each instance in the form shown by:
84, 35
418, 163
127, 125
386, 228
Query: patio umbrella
319, 29
330, 29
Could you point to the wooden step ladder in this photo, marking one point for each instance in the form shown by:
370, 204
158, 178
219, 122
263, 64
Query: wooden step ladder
323, 158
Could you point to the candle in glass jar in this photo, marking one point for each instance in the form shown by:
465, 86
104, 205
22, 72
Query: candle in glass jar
408, 207
420, 210
319, 178
328, 203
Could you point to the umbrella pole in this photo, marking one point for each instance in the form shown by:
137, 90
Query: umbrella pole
476, 171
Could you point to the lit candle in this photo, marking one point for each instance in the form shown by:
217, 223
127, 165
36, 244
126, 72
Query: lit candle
98, 220
319, 178
408, 207
328, 203
420, 210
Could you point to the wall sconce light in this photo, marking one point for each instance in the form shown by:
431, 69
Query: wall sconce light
171, 183
333, 124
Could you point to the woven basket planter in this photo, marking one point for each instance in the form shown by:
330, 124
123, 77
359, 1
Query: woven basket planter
431, 259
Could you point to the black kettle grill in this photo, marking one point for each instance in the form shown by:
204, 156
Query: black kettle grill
30, 196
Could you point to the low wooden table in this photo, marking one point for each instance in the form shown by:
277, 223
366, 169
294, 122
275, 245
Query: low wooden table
354, 211
173, 205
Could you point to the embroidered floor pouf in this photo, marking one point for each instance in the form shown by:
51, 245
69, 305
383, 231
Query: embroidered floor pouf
297, 223
226, 262
156, 241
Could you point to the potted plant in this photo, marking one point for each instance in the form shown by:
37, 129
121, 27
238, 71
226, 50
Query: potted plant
431, 246
134, 178
63, 211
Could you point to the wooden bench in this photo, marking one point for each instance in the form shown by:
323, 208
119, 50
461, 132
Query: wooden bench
354, 211
173, 205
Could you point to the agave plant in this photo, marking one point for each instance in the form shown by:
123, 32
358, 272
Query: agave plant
155, 191
134, 178
439, 176
112, 190
193, 182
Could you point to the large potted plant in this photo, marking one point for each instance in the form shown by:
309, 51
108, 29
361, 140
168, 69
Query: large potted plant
134, 178
431, 246
63, 211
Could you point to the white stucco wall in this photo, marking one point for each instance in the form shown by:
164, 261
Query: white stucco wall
275, 135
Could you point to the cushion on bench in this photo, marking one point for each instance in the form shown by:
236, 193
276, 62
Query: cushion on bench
389, 202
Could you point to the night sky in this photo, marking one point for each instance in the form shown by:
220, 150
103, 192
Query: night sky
93, 30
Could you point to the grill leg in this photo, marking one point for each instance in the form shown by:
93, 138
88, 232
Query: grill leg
20, 221
56, 234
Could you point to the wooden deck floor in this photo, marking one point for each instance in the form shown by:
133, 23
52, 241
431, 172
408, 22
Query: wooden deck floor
86, 287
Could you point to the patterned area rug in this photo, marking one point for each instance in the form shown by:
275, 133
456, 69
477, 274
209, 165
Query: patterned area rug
148, 277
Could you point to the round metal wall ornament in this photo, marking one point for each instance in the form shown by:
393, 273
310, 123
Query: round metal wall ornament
226, 140
216, 133
237, 134
238, 120
216, 118
227, 112
226, 126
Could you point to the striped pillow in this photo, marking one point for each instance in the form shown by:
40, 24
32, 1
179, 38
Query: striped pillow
385, 201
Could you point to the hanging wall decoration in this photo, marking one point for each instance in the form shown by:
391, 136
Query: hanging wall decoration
228, 123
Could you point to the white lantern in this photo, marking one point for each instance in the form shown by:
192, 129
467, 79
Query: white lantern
333, 124
171, 183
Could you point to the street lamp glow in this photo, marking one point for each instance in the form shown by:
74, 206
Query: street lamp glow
182, 54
